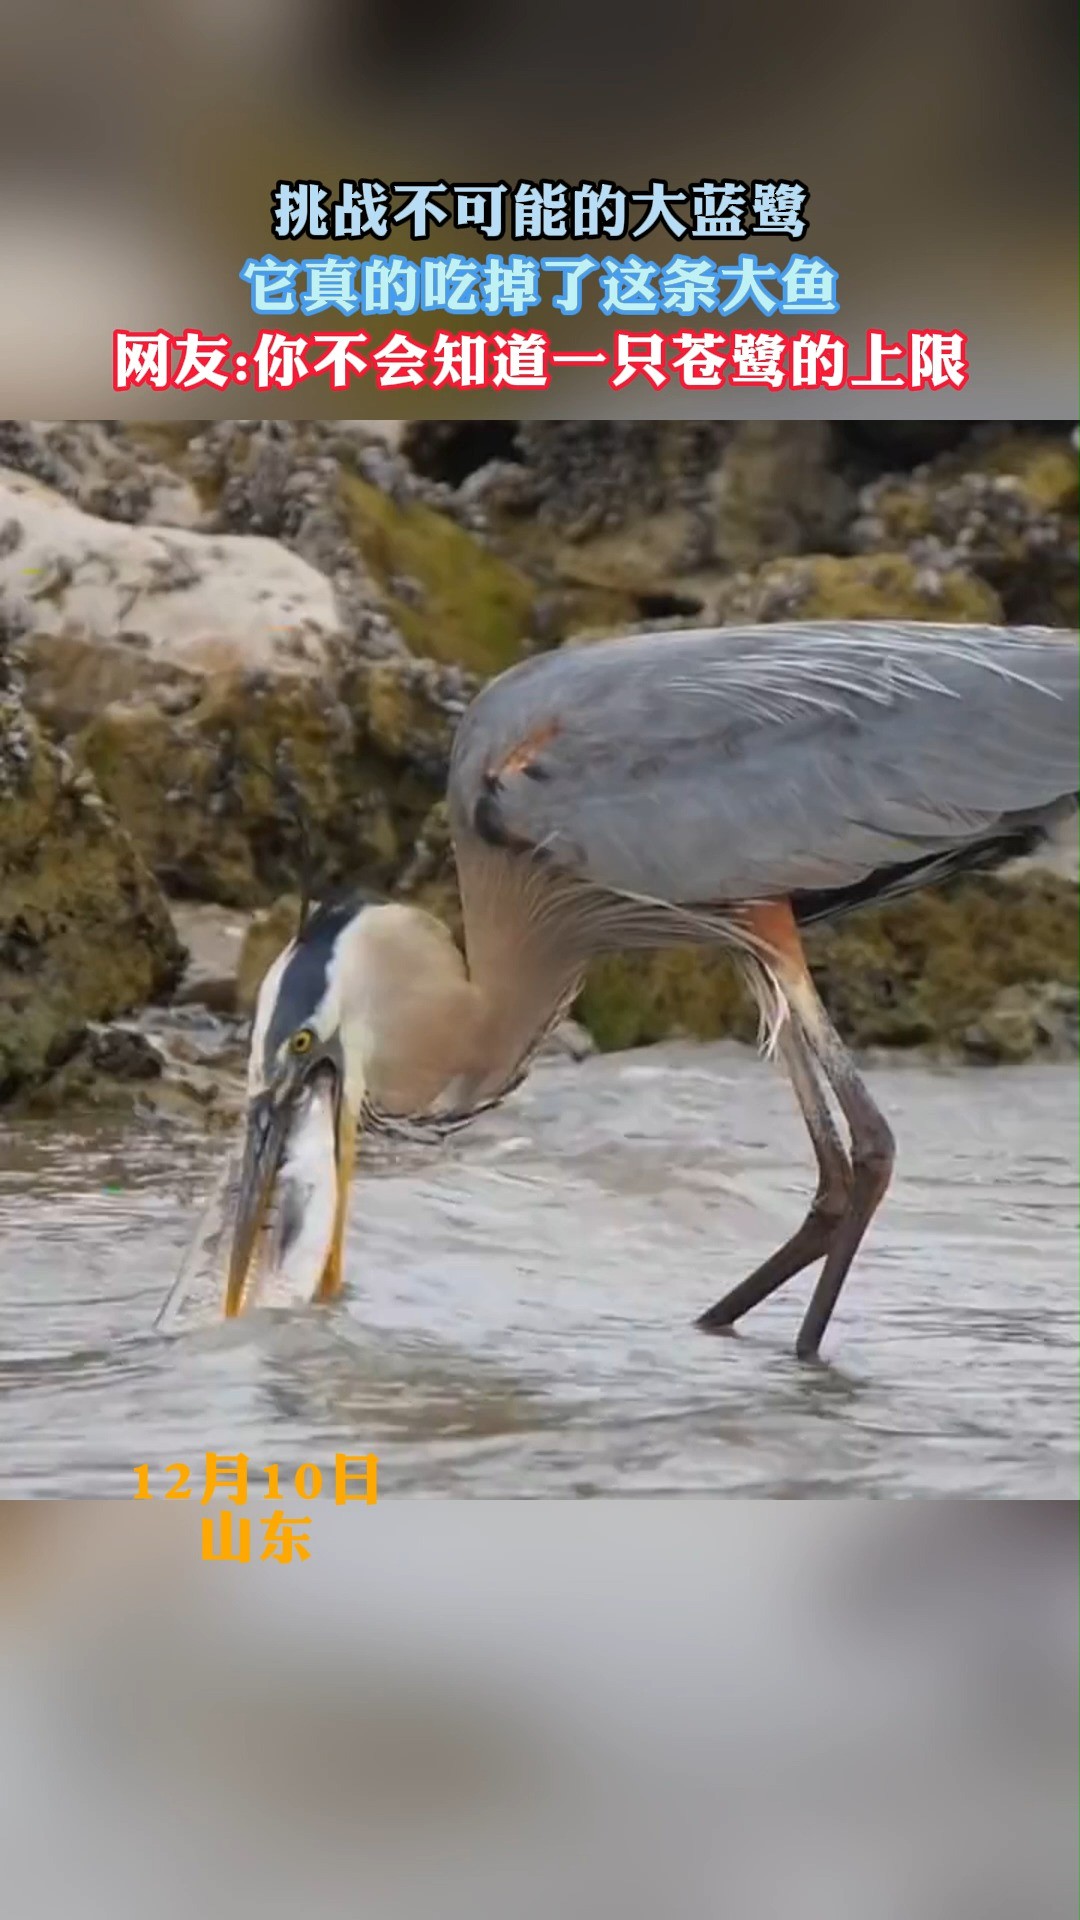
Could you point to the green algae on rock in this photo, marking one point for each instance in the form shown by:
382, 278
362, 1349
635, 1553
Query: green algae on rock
268, 935
193, 788
1005, 511
634, 999
775, 493
876, 586
921, 972
84, 931
452, 599
1034, 1020
407, 710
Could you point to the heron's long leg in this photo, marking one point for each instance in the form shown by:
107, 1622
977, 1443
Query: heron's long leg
827, 1209
776, 935
872, 1154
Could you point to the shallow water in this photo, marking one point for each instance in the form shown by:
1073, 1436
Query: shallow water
521, 1297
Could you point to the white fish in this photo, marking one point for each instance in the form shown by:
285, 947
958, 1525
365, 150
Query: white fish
295, 1237
195, 1297
301, 1224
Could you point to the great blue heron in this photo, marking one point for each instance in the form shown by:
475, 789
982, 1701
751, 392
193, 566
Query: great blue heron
726, 787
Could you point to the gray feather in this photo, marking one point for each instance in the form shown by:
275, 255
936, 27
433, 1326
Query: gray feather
743, 763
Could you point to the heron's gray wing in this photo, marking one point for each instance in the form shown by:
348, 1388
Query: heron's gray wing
739, 764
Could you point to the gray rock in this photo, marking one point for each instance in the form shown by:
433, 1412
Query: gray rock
214, 938
1033, 1020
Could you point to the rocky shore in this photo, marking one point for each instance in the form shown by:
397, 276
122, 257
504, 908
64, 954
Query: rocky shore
186, 609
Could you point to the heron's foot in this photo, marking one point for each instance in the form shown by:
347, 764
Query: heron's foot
716, 1320
808, 1347
809, 1243
719, 1320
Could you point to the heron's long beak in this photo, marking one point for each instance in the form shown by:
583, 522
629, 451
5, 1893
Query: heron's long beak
267, 1132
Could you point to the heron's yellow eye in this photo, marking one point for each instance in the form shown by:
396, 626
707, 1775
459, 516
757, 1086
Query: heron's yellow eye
301, 1041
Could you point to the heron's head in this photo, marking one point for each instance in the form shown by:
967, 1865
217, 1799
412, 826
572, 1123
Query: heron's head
370, 999
305, 1031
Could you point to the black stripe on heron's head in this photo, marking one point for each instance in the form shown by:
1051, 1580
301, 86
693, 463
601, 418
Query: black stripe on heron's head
304, 977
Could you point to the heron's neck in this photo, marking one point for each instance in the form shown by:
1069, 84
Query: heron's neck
430, 1037
512, 1006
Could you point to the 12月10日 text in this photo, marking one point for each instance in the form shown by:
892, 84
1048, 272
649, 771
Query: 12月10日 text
354, 1476
232, 1478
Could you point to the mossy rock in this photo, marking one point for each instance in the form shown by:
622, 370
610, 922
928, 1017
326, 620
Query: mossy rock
735, 500
84, 930
1045, 468
1007, 513
598, 572
1036, 1019
877, 586
631, 1000
571, 611
193, 791
776, 491
452, 599
639, 561
267, 936
407, 710
597, 585
920, 972
430, 878
165, 440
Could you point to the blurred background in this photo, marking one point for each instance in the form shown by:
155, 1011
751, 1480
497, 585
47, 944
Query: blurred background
140, 148
479, 1710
